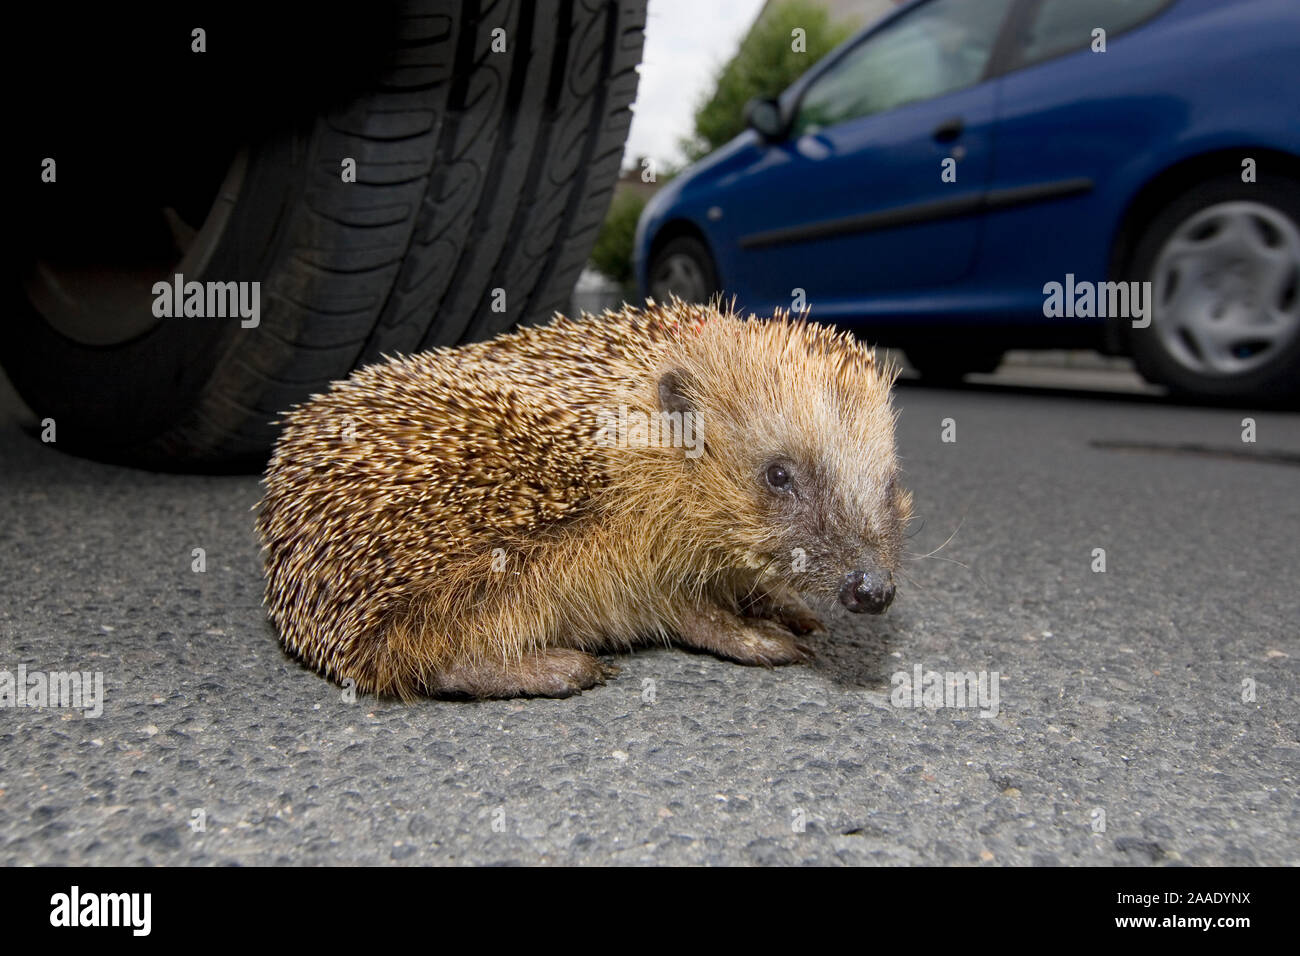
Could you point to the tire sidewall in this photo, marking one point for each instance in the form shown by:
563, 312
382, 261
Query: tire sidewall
117, 400
1278, 378
697, 251
954, 364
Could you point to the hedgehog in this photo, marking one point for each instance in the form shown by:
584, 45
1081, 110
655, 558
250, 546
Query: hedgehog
483, 521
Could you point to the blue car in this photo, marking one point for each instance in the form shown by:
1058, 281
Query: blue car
968, 176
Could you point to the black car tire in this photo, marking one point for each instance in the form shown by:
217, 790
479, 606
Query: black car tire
951, 365
482, 178
1278, 377
683, 266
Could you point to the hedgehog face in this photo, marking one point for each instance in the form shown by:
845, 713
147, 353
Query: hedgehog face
840, 522
799, 469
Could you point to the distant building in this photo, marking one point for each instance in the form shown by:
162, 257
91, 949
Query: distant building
630, 180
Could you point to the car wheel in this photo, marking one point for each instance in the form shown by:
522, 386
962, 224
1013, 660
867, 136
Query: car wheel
486, 145
952, 365
683, 267
1223, 261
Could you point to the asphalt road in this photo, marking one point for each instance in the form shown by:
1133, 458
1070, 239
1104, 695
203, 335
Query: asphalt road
1124, 731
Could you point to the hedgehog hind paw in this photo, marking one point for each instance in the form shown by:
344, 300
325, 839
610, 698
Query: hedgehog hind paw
555, 672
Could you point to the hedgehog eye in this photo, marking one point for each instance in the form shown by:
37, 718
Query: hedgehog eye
779, 477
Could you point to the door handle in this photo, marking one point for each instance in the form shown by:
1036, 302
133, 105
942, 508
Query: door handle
949, 130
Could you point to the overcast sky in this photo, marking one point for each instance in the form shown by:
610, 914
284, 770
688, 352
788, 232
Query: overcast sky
686, 43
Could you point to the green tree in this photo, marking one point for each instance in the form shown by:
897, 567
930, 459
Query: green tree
765, 64
612, 254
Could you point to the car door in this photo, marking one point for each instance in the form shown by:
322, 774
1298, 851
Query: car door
889, 152
1090, 93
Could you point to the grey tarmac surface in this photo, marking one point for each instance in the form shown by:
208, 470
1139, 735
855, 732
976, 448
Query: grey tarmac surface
1122, 736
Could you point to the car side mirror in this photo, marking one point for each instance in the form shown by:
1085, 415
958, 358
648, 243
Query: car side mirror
763, 114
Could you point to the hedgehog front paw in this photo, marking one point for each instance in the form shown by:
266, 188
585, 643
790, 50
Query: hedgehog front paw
800, 619
757, 642
557, 672
786, 608
764, 643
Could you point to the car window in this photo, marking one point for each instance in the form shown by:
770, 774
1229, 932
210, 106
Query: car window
1063, 25
937, 48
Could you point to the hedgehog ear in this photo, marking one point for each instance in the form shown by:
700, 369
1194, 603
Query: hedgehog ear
672, 392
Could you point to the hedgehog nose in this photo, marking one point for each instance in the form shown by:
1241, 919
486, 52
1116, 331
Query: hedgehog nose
867, 592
